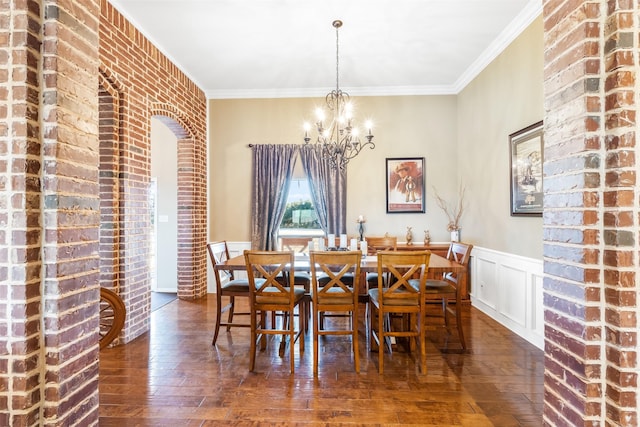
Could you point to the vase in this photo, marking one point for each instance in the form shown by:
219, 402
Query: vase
455, 236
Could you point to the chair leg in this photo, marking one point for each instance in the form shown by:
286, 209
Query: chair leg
423, 345
252, 345
315, 342
445, 303
232, 307
371, 328
459, 325
354, 338
385, 342
263, 338
382, 340
301, 328
411, 323
292, 346
218, 315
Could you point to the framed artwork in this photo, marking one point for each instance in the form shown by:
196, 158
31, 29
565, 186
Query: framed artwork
405, 185
526, 155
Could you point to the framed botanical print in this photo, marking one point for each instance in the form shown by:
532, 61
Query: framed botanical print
405, 185
526, 149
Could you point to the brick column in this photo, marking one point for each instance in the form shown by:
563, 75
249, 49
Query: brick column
70, 159
591, 212
48, 240
21, 354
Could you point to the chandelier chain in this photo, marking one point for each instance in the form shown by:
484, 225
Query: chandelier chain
337, 57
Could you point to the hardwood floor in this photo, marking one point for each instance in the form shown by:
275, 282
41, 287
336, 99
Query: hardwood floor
172, 376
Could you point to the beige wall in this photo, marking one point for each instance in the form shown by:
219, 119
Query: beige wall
404, 126
506, 97
463, 138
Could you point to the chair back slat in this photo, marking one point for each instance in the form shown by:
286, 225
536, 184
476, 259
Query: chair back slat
265, 270
384, 243
402, 267
460, 253
336, 265
218, 254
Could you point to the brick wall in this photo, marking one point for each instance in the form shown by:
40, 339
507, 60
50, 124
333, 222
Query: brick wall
139, 82
74, 210
21, 355
591, 212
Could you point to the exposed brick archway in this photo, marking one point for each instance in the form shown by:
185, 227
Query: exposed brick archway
137, 83
191, 202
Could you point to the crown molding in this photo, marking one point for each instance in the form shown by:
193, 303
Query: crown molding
532, 10
322, 92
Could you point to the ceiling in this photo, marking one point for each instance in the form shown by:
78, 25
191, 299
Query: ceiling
287, 48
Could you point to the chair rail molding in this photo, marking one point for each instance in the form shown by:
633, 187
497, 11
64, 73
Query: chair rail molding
509, 289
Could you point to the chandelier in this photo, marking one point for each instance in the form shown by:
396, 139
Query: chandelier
338, 136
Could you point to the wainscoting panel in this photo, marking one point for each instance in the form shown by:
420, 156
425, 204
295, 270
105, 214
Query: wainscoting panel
483, 280
513, 298
508, 288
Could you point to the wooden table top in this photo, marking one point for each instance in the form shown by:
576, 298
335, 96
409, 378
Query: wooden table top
369, 264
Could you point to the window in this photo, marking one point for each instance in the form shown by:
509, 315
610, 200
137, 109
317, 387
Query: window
299, 213
300, 219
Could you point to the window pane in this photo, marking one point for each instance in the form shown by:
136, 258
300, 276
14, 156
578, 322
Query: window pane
299, 212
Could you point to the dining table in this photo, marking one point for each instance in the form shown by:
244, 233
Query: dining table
369, 264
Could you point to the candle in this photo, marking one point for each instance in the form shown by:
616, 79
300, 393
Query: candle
354, 245
331, 240
363, 247
321, 244
343, 240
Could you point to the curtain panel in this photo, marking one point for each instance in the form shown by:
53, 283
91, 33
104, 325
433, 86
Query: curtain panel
328, 188
272, 170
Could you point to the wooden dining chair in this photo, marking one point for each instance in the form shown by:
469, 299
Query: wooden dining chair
301, 278
227, 286
336, 296
268, 294
449, 288
400, 298
375, 245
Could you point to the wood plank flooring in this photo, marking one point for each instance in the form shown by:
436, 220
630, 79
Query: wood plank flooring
172, 376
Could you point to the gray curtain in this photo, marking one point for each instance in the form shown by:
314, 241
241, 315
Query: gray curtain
328, 188
272, 169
